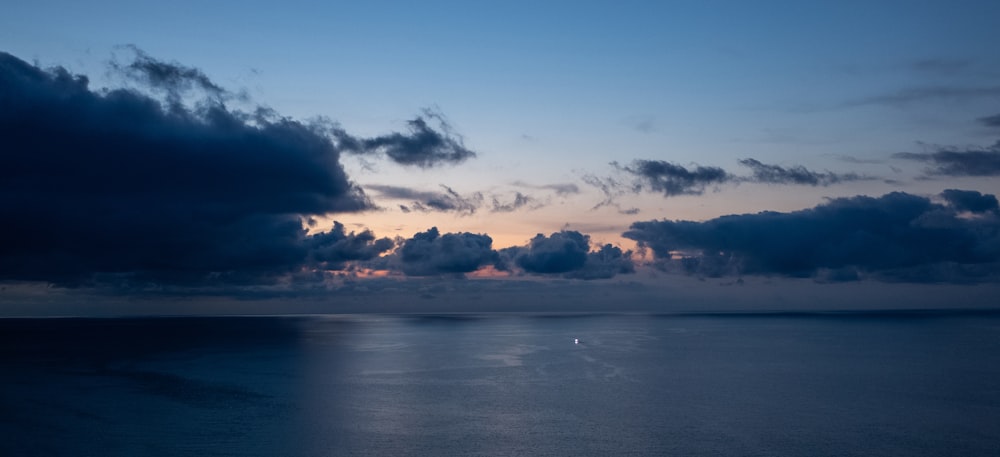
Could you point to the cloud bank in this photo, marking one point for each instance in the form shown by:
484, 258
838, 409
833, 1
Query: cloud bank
898, 237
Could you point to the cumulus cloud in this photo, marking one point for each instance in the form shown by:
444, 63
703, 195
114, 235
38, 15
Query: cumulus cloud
894, 237
330, 250
430, 253
568, 253
799, 175
671, 179
164, 183
970, 200
955, 162
424, 146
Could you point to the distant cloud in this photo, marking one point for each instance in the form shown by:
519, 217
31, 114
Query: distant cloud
642, 123
896, 237
856, 160
423, 146
928, 93
423, 201
940, 65
561, 189
172, 78
430, 253
520, 201
671, 179
990, 121
331, 249
774, 174
970, 200
952, 162
567, 253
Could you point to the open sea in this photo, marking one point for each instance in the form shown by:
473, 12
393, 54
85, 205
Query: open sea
786, 384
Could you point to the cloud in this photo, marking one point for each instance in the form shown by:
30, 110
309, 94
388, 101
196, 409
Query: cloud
672, 179
568, 253
990, 121
520, 201
952, 162
116, 183
774, 174
940, 65
331, 249
896, 237
423, 146
447, 201
970, 200
431, 253
172, 78
928, 93
561, 189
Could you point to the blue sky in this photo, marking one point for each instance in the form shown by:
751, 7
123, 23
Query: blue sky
559, 98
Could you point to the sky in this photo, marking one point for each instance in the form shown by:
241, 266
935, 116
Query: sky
351, 156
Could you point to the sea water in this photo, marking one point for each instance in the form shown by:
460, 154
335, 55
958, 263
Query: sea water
901, 383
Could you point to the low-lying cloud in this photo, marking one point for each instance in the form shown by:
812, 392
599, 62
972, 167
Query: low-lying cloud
898, 236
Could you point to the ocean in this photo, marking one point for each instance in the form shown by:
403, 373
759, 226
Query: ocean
769, 384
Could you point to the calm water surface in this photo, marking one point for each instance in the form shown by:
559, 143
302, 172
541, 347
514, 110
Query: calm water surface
906, 384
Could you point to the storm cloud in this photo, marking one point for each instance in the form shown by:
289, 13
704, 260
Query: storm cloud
954, 162
119, 183
799, 175
898, 236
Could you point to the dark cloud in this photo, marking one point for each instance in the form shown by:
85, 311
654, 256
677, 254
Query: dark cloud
990, 121
775, 174
423, 201
606, 262
568, 253
970, 200
173, 78
331, 249
672, 179
423, 146
898, 237
951, 162
116, 183
431, 253
559, 253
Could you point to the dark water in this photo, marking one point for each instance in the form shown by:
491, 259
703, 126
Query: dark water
900, 384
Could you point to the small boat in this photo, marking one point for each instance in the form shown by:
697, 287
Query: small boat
576, 341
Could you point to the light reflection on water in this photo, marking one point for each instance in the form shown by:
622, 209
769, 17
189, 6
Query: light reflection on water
893, 384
